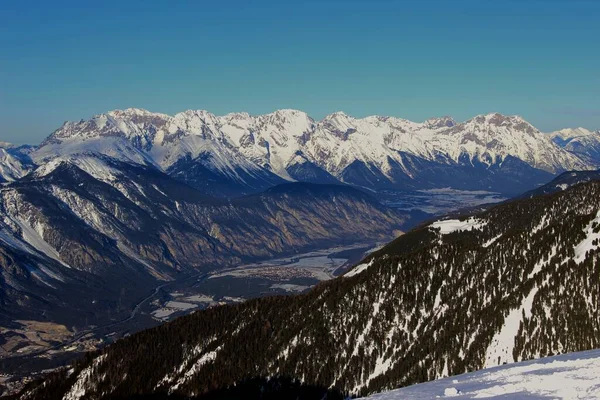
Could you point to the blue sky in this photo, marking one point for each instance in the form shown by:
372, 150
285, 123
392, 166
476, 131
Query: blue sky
67, 60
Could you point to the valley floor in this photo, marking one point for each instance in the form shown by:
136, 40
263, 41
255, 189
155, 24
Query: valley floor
567, 376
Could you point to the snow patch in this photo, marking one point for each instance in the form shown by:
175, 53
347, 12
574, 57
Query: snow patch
455, 225
587, 244
358, 269
492, 240
84, 379
501, 348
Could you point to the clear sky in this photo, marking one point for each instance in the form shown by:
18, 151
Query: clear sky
67, 60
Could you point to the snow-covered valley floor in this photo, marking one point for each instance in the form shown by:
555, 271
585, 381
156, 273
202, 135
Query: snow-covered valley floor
567, 376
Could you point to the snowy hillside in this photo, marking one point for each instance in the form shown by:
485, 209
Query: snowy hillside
567, 376
288, 145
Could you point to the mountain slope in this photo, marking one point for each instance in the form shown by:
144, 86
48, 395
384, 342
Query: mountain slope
515, 282
240, 154
563, 182
103, 226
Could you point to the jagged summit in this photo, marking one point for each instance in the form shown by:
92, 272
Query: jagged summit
440, 122
289, 145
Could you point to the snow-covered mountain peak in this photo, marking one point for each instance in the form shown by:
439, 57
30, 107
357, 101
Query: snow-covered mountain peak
339, 124
294, 122
492, 121
50, 167
125, 123
490, 138
338, 118
440, 122
101, 168
285, 118
375, 148
336, 114
235, 116
568, 133
580, 141
288, 112
195, 122
202, 115
132, 111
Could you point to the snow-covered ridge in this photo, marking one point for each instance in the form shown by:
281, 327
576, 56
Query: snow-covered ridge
285, 138
580, 141
14, 163
567, 376
570, 133
94, 166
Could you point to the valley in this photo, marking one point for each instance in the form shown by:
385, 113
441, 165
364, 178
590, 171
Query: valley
435, 202
45, 346
507, 284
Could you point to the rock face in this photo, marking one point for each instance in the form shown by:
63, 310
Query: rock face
241, 154
95, 225
516, 282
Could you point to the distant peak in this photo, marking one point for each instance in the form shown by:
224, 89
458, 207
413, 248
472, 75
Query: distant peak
237, 115
572, 132
51, 166
129, 111
440, 122
338, 115
288, 111
202, 114
498, 119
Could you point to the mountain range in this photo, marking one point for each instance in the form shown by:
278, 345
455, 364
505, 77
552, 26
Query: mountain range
106, 211
515, 282
240, 154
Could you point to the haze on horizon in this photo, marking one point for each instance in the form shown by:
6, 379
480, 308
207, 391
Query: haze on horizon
65, 60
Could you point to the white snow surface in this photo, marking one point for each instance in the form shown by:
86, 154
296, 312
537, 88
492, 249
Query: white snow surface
455, 225
358, 269
501, 347
587, 244
567, 376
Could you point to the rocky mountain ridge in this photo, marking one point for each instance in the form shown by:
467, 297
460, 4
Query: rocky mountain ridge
252, 153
